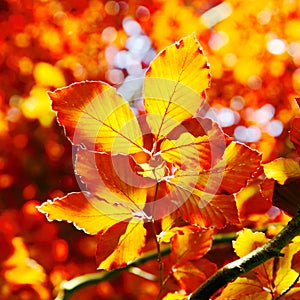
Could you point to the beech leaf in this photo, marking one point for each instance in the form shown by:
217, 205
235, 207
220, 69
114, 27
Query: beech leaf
120, 244
282, 169
178, 73
94, 115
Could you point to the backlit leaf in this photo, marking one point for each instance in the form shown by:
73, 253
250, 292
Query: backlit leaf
282, 169
248, 241
205, 198
77, 208
113, 178
190, 243
94, 115
195, 143
295, 131
120, 244
270, 279
286, 275
174, 85
245, 289
191, 274
175, 296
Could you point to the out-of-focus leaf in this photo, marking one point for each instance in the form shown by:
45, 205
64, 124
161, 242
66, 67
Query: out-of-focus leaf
191, 274
94, 115
174, 85
20, 269
295, 131
286, 196
48, 75
255, 198
296, 262
190, 243
120, 244
175, 296
282, 169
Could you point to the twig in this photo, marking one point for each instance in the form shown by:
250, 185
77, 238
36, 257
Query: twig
67, 288
248, 262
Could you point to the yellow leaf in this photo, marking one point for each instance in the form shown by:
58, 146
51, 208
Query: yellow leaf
282, 169
174, 85
245, 289
195, 143
19, 269
94, 115
120, 244
48, 75
175, 296
248, 241
285, 275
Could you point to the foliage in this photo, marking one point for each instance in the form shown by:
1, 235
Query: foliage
153, 170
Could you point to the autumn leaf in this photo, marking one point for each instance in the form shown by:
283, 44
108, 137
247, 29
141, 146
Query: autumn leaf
190, 243
20, 269
270, 279
206, 198
94, 115
178, 73
77, 208
282, 169
191, 274
120, 244
195, 143
175, 296
295, 131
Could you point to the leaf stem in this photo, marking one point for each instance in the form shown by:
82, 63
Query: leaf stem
159, 260
248, 262
67, 288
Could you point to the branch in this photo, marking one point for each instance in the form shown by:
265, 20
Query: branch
67, 288
248, 262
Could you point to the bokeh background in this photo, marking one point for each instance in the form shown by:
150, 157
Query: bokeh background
253, 48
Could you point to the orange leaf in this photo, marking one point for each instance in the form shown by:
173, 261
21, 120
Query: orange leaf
78, 208
190, 275
205, 198
174, 85
282, 169
190, 243
295, 134
19, 269
113, 178
94, 115
120, 244
195, 143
